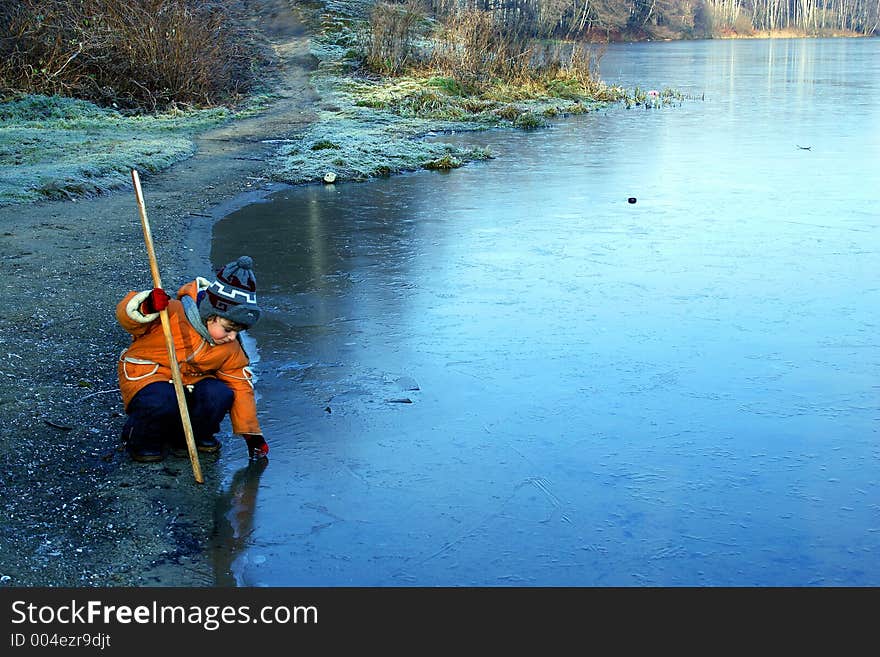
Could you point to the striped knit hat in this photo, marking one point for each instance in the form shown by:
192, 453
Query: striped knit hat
232, 294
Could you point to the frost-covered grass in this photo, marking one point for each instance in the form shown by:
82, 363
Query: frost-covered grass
377, 126
357, 142
53, 147
364, 148
378, 123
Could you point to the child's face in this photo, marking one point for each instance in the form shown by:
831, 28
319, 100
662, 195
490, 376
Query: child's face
222, 330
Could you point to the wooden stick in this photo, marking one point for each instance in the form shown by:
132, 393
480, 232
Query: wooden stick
169, 339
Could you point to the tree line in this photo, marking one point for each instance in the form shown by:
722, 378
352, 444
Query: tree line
628, 19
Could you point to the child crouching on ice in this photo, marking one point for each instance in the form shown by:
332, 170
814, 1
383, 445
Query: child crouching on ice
206, 319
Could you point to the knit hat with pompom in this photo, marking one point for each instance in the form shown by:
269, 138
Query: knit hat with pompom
232, 294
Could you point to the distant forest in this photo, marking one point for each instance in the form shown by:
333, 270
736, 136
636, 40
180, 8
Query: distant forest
677, 19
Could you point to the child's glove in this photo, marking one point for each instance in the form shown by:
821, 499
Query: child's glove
155, 302
257, 447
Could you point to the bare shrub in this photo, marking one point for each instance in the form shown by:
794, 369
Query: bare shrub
138, 54
573, 65
481, 48
476, 46
392, 34
743, 25
583, 62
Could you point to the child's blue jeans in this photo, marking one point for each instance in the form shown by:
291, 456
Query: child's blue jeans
154, 416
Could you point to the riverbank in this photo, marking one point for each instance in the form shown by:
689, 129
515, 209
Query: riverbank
76, 511
367, 125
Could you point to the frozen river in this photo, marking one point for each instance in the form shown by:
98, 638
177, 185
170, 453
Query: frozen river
508, 375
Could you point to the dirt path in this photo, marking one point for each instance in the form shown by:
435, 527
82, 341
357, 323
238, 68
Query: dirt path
76, 511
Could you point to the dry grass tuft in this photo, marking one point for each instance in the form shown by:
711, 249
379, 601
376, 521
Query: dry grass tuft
132, 54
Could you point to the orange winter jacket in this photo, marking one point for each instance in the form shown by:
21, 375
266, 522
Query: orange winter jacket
146, 360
